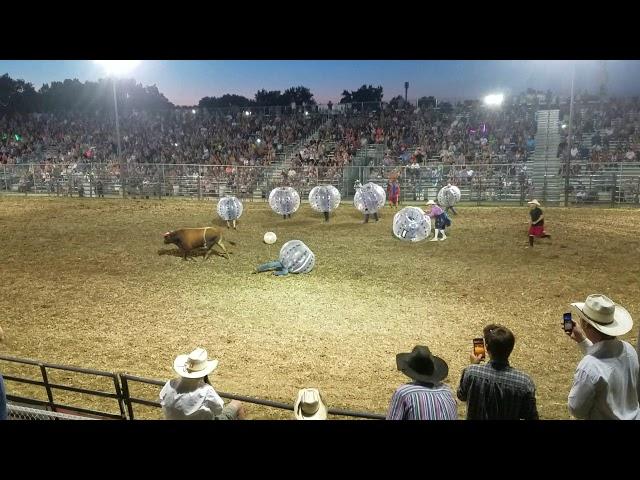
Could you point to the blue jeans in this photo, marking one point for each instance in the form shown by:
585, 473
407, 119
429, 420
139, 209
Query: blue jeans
3, 401
276, 265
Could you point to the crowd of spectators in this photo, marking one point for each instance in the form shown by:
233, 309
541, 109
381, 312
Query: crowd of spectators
430, 147
604, 135
66, 145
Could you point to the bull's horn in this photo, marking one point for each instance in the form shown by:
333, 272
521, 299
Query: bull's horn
165, 234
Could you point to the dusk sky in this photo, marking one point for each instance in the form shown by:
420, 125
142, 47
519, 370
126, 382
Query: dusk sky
184, 82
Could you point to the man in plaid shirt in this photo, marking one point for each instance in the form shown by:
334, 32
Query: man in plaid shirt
497, 391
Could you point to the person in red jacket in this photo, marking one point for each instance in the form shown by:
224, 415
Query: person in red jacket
393, 191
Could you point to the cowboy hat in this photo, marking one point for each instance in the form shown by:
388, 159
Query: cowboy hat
194, 365
431, 202
309, 405
422, 366
604, 315
534, 202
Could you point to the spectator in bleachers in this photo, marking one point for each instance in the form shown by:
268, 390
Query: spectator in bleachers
426, 398
605, 385
495, 390
191, 397
309, 405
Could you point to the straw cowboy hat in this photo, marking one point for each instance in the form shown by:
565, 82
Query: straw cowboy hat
422, 366
309, 405
534, 202
604, 315
194, 365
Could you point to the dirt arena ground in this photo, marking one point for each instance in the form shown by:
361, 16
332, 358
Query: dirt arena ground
90, 283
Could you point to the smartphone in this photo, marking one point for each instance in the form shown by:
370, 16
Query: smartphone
478, 347
567, 322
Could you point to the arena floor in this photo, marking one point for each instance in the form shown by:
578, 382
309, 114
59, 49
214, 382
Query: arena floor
90, 283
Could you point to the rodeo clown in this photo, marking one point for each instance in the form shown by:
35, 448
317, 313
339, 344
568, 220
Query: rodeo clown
536, 224
442, 220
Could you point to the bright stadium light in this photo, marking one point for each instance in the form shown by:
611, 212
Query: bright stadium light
247, 113
118, 67
306, 113
494, 100
258, 141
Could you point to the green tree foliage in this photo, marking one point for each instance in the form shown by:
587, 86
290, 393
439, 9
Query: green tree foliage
427, 102
225, 101
73, 95
364, 94
298, 95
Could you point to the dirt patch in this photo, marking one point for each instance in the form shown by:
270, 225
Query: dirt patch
90, 283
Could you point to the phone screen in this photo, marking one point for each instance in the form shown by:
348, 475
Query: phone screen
567, 322
478, 347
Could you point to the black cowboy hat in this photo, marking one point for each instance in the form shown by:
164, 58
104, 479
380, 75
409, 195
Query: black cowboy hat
421, 366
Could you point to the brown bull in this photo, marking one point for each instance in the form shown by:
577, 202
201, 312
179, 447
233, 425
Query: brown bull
188, 239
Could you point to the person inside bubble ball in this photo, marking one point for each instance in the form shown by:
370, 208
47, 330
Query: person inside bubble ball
450, 207
357, 185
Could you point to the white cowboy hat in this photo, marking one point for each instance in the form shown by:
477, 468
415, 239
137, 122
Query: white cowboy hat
194, 365
309, 405
534, 202
604, 315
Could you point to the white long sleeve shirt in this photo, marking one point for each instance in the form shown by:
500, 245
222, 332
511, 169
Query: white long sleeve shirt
190, 399
605, 385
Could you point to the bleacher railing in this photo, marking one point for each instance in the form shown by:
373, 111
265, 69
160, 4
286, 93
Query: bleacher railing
29, 399
617, 184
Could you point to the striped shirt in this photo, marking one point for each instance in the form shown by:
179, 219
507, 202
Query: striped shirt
418, 401
497, 392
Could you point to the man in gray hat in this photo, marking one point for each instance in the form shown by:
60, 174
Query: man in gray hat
605, 385
426, 398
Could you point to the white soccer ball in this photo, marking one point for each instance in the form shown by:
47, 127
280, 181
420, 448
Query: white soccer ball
270, 238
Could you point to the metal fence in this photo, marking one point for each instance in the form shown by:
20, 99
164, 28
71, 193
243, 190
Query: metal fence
479, 183
123, 395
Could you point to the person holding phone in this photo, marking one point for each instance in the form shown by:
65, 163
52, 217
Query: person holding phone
495, 390
605, 384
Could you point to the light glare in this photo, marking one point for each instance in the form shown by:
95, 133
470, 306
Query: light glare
118, 67
494, 100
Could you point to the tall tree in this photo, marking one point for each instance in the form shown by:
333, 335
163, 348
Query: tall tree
225, 101
364, 94
427, 102
299, 95
272, 98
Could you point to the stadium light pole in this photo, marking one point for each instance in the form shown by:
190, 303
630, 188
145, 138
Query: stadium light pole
115, 69
568, 153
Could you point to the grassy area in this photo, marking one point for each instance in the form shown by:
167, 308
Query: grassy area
89, 282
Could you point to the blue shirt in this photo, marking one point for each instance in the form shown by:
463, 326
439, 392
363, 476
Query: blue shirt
3, 400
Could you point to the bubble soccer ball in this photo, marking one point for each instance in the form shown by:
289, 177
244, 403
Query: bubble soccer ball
411, 224
229, 208
270, 238
284, 200
369, 198
448, 196
297, 257
324, 198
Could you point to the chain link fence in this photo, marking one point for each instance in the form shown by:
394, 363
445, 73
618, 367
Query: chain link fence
479, 183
